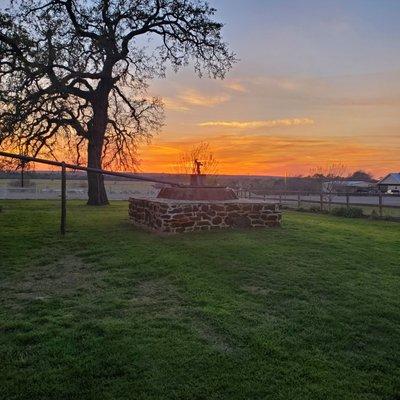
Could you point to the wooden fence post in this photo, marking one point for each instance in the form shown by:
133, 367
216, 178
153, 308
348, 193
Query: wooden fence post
22, 173
63, 198
347, 200
380, 205
298, 200
321, 200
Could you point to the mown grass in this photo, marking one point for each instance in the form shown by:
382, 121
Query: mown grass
309, 311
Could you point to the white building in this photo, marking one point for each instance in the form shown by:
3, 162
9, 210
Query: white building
390, 183
345, 186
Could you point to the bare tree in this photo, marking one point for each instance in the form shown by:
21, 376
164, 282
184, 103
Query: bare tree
330, 178
11, 164
201, 152
79, 70
5, 164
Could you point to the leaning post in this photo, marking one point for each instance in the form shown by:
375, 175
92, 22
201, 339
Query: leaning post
63, 198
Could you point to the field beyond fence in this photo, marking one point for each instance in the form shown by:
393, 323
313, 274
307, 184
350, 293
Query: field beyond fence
50, 189
384, 205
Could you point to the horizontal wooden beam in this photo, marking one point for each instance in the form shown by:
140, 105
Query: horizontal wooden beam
80, 168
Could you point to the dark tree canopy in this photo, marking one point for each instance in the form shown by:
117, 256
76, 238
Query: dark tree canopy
79, 70
361, 175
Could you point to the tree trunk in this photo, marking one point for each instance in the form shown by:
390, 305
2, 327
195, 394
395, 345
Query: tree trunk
96, 133
97, 195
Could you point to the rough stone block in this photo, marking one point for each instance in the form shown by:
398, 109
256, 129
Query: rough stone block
176, 216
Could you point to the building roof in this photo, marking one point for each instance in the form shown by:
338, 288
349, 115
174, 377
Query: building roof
361, 184
390, 179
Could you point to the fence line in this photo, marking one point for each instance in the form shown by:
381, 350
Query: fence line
114, 192
325, 200
75, 167
64, 166
265, 195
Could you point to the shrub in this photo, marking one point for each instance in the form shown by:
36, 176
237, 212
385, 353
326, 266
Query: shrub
350, 212
374, 215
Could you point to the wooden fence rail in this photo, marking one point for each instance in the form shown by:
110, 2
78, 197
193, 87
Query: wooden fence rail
64, 166
325, 200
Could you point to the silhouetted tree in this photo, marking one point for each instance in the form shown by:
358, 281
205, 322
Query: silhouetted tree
330, 178
201, 152
80, 69
361, 175
11, 165
330, 175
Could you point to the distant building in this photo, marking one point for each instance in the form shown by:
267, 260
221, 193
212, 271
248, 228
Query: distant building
390, 183
347, 186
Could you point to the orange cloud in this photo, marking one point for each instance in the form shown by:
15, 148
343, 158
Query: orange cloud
191, 97
236, 87
174, 105
260, 124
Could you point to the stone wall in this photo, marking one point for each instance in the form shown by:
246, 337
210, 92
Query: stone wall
174, 216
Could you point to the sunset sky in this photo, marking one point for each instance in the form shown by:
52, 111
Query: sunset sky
317, 82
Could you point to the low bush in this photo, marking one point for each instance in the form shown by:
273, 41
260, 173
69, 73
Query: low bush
348, 212
374, 215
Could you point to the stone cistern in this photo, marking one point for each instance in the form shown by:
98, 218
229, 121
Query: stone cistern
201, 208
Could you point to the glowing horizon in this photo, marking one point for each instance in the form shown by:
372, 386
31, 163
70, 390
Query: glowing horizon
273, 156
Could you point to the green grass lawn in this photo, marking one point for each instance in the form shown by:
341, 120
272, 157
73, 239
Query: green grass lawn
309, 311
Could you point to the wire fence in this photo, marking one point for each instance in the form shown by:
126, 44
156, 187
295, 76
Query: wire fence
62, 191
46, 189
381, 203
385, 205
